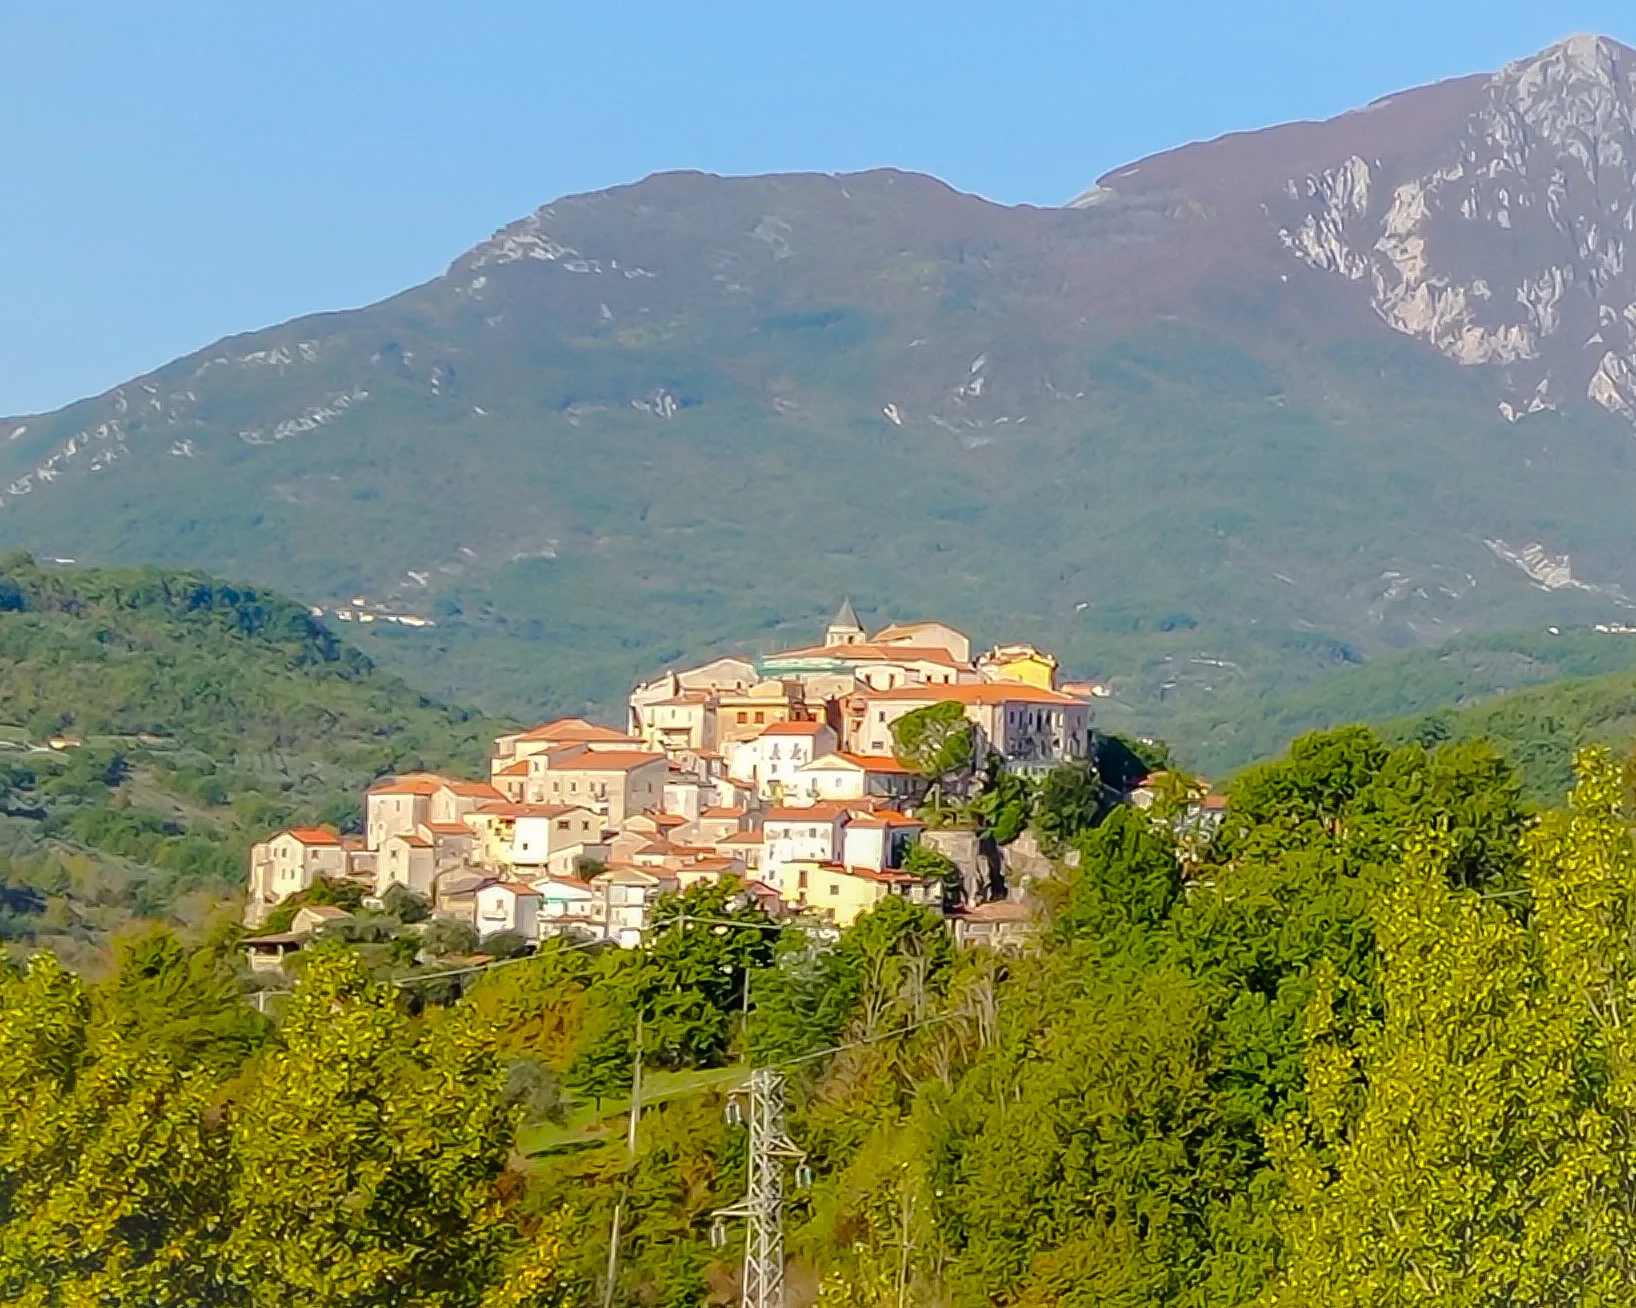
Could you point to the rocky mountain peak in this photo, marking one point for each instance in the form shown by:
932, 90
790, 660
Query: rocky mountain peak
1511, 249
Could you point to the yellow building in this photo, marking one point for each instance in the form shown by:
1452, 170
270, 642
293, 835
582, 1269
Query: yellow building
1021, 663
844, 894
746, 714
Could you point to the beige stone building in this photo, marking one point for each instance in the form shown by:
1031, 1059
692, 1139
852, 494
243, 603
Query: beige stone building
513, 750
622, 901
615, 784
289, 863
1031, 728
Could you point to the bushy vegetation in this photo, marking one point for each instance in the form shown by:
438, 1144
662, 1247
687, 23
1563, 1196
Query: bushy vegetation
1242, 723
192, 717
1367, 1050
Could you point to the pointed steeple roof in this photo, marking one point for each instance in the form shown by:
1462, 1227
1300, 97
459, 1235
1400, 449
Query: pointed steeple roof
847, 618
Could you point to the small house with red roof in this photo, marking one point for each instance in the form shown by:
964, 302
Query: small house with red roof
565, 905
288, 863
879, 840
838, 776
1007, 925
505, 905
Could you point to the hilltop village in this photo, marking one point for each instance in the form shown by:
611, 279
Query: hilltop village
780, 771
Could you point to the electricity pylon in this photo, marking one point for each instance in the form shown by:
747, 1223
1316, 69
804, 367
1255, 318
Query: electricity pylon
762, 1207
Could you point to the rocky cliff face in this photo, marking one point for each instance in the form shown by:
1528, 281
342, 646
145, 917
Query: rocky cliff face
1511, 250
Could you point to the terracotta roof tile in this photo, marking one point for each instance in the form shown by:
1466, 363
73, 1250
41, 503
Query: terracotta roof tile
999, 910
313, 835
416, 783
573, 729
824, 812
796, 728
518, 888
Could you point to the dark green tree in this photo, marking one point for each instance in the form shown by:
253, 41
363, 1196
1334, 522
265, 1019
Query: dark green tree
449, 935
1067, 803
703, 945
937, 741
1004, 802
184, 1005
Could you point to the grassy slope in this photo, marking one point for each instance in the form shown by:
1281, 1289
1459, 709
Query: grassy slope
210, 713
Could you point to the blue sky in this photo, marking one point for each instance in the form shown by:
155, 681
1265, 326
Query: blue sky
177, 172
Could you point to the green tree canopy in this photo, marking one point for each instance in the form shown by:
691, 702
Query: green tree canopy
937, 741
1067, 802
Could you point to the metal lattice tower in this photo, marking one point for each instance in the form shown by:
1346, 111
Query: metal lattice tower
762, 1207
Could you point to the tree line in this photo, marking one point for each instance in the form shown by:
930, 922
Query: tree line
1370, 1046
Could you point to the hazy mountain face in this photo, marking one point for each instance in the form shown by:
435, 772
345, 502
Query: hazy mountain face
1241, 412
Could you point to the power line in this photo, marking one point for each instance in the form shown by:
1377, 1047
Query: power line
403, 982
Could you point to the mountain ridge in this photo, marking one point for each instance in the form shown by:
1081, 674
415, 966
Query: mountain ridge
681, 415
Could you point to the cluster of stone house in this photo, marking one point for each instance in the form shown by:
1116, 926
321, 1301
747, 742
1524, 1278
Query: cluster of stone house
777, 771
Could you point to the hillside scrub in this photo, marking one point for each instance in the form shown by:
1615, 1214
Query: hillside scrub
194, 717
1221, 1090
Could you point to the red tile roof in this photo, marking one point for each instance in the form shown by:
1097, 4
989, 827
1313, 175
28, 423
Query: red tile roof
517, 888
796, 728
999, 910
825, 812
886, 818
474, 789
871, 652
509, 810
870, 874
414, 783
314, 835
573, 729
881, 763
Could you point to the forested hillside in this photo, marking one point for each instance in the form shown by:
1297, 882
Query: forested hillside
1153, 431
191, 717
1240, 723
1366, 1052
1540, 729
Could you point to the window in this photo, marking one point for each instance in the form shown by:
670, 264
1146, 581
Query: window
760, 716
562, 824
881, 716
834, 888
743, 717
